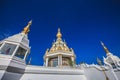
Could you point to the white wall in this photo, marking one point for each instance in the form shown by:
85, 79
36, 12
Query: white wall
52, 77
95, 74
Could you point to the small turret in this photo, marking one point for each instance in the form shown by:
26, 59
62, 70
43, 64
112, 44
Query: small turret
17, 45
59, 54
14, 51
111, 59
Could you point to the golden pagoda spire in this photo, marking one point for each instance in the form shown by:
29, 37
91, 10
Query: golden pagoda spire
105, 48
27, 28
59, 35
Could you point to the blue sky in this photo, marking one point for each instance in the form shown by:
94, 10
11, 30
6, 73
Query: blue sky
83, 23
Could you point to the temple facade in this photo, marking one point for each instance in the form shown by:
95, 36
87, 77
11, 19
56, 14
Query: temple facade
59, 62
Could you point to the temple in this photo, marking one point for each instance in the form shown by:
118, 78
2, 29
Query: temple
59, 61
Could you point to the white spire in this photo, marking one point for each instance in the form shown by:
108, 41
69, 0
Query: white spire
105, 48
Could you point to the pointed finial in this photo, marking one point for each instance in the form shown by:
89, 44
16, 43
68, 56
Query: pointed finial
99, 61
27, 28
59, 35
47, 50
105, 48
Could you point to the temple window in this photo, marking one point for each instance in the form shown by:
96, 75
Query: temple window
66, 61
53, 62
20, 52
7, 49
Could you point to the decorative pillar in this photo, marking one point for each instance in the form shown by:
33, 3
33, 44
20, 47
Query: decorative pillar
72, 59
25, 54
2, 45
59, 60
15, 50
46, 62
